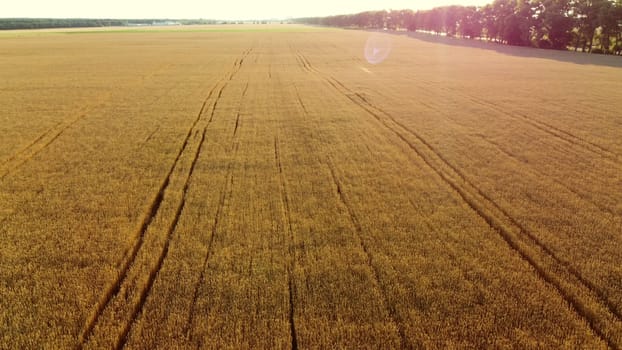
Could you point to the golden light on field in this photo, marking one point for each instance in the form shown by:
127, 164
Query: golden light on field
268, 187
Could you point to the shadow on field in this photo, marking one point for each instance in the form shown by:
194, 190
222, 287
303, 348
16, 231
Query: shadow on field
563, 56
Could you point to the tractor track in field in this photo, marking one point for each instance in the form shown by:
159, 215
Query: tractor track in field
358, 228
50, 135
550, 129
292, 265
390, 307
151, 135
42, 142
33, 143
304, 107
237, 124
540, 174
516, 243
245, 89
239, 114
529, 167
226, 194
173, 226
588, 302
152, 211
38, 145
144, 293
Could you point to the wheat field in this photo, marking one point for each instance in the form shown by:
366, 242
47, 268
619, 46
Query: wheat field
253, 187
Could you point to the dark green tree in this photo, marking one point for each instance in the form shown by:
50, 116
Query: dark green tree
470, 24
554, 24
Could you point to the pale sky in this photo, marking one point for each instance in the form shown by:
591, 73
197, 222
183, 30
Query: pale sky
209, 9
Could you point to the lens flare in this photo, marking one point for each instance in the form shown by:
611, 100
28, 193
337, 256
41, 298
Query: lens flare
377, 48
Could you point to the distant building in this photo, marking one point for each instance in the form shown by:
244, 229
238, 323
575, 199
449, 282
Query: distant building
166, 23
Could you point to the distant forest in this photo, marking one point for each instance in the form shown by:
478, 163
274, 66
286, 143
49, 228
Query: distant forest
44, 23
582, 25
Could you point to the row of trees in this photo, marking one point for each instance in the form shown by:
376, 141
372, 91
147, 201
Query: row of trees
587, 25
40, 23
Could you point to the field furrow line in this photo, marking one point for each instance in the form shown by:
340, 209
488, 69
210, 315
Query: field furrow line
391, 309
136, 308
540, 174
44, 140
245, 90
602, 318
523, 230
529, 166
358, 228
144, 293
138, 241
300, 102
225, 194
301, 60
33, 143
292, 253
548, 128
201, 280
237, 65
559, 134
237, 124
36, 147
306, 63
151, 135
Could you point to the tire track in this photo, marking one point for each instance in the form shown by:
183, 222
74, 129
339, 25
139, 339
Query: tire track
529, 166
237, 124
217, 219
548, 128
44, 140
41, 143
392, 310
306, 65
302, 105
557, 132
541, 174
225, 195
152, 211
292, 253
144, 293
245, 89
37, 146
583, 298
34, 142
612, 308
390, 307
573, 277
151, 135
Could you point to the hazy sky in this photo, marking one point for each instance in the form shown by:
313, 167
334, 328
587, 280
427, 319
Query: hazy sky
223, 9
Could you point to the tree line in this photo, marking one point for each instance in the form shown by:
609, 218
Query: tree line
41, 23
587, 25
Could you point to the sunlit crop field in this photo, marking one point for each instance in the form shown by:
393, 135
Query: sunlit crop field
266, 187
